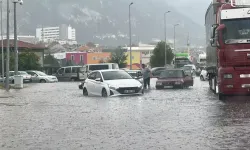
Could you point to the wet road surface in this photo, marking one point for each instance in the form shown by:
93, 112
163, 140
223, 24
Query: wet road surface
57, 116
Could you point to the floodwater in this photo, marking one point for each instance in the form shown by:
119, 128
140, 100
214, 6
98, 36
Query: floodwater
57, 116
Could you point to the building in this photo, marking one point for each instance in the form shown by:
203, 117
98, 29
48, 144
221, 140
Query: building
96, 58
50, 34
38, 49
145, 50
136, 60
77, 58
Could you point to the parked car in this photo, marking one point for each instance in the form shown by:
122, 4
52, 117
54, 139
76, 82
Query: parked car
136, 74
70, 73
111, 83
174, 78
40, 77
93, 67
157, 71
204, 75
25, 75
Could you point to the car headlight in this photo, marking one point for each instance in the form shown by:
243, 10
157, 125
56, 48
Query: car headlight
112, 87
158, 83
228, 76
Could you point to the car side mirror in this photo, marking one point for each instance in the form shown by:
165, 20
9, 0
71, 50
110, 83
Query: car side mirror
98, 79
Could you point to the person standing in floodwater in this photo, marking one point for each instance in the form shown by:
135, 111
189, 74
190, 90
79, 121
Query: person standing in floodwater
146, 73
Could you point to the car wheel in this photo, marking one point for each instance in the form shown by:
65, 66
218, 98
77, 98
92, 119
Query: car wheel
104, 93
42, 81
85, 92
202, 78
73, 79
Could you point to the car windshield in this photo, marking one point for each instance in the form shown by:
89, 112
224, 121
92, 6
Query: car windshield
236, 29
171, 74
115, 75
41, 73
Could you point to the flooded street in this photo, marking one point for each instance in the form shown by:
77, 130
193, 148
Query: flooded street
57, 116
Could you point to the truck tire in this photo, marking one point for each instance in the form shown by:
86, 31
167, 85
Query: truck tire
222, 97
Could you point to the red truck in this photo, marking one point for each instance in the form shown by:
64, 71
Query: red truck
227, 25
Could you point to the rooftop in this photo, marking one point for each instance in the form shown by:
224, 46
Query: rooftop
22, 44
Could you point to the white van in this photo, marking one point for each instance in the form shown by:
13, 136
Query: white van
92, 67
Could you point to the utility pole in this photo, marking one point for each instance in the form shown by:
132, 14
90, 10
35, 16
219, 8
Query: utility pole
8, 47
165, 34
2, 38
15, 40
188, 44
130, 36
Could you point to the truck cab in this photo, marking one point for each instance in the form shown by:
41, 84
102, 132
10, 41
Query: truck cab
228, 47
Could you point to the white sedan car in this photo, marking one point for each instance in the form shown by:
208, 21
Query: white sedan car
111, 83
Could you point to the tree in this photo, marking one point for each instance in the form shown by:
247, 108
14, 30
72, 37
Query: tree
51, 60
28, 61
119, 57
158, 57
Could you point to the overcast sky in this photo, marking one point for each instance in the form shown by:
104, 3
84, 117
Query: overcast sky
194, 9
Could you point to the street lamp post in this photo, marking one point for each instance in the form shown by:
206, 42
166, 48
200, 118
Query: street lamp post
130, 36
15, 34
174, 34
165, 34
2, 38
8, 47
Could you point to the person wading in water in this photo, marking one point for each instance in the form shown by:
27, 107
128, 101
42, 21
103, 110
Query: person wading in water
146, 73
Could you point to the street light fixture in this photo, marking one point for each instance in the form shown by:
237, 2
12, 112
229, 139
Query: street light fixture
165, 31
130, 36
15, 37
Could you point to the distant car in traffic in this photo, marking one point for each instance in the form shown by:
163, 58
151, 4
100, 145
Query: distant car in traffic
40, 77
157, 71
204, 75
136, 74
111, 83
174, 78
190, 67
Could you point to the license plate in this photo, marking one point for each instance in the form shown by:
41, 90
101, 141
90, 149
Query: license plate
129, 91
168, 87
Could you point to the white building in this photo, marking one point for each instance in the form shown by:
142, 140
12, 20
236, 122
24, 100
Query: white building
50, 34
146, 51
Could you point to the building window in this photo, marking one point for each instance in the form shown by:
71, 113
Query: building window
94, 58
72, 57
81, 58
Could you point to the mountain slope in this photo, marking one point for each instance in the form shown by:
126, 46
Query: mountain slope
106, 21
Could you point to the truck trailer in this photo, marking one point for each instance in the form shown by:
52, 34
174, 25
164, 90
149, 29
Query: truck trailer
227, 24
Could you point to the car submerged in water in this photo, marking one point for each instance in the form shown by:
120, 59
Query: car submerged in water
174, 78
111, 83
